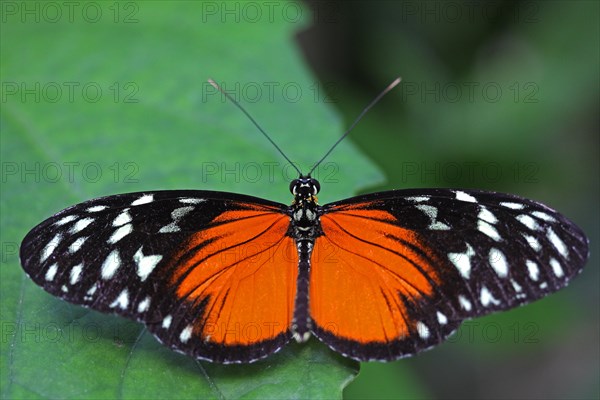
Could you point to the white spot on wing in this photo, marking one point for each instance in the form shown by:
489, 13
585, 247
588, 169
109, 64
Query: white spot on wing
462, 196
432, 212
166, 323
92, 290
180, 212
464, 303
65, 220
145, 264
186, 334
122, 301
533, 242
534, 271
76, 245
488, 298
172, 227
462, 261
516, 286
76, 273
51, 273
556, 268
50, 247
488, 229
527, 221
96, 208
557, 243
147, 198
497, 261
123, 218
110, 265
190, 200
442, 319
418, 199
90, 293
544, 216
513, 206
423, 330
487, 215
81, 225
176, 214
144, 305
120, 233
439, 226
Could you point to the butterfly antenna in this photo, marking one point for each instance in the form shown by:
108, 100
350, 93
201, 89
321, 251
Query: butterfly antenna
362, 114
216, 86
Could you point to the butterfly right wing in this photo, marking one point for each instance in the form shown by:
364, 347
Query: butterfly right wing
394, 273
210, 274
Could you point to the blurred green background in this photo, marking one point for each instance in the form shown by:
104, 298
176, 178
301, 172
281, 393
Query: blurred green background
104, 97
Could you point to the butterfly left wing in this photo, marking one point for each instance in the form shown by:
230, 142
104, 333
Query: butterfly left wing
396, 272
211, 274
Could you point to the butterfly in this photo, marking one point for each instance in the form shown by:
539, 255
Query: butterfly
232, 278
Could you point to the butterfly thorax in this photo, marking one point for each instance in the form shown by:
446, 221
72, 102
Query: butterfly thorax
304, 211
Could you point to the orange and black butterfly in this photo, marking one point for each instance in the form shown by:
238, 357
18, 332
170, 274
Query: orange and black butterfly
232, 278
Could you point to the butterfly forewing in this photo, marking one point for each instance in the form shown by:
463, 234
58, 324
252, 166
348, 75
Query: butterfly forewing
410, 265
138, 255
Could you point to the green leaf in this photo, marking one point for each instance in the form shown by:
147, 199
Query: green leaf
121, 104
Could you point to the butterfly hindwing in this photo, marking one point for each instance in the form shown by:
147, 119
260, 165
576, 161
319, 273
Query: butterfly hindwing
396, 272
138, 255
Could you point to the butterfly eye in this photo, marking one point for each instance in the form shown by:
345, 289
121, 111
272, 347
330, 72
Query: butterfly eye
293, 185
316, 186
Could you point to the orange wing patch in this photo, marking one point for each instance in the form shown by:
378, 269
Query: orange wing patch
244, 268
365, 271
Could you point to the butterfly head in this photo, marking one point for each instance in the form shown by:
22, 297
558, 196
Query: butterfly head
304, 188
